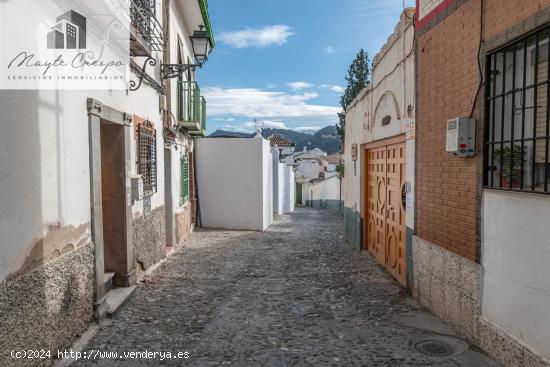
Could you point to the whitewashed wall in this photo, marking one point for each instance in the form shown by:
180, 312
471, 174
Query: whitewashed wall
266, 169
516, 271
235, 179
308, 168
327, 189
44, 153
289, 197
283, 186
278, 183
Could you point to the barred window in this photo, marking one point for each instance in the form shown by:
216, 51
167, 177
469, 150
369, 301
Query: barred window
147, 157
517, 120
184, 194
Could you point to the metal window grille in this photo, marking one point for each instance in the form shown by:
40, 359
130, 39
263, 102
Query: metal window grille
517, 115
147, 157
184, 180
144, 20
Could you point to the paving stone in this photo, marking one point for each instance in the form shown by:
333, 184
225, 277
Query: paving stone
294, 295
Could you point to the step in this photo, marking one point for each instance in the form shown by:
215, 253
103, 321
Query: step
117, 297
108, 281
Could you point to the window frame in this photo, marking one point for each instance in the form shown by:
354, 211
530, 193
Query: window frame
147, 157
490, 142
184, 180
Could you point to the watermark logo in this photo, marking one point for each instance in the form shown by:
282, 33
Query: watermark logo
65, 44
69, 32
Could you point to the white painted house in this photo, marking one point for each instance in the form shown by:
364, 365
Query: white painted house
322, 192
307, 163
283, 185
379, 155
97, 183
235, 176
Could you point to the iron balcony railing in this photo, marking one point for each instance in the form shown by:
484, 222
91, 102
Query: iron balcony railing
203, 113
146, 26
191, 106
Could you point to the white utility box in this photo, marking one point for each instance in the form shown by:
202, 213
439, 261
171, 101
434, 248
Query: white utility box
137, 187
461, 136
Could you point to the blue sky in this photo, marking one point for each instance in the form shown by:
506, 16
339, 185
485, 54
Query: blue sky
283, 62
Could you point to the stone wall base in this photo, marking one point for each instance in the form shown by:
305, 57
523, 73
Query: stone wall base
149, 239
450, 286
353, 228
324, 203
47, 308
183, 225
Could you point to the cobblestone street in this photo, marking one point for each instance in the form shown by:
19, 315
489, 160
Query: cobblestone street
291, 296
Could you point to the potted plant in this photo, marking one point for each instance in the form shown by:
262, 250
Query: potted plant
510, 172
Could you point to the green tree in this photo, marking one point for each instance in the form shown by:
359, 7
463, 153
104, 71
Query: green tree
358, 78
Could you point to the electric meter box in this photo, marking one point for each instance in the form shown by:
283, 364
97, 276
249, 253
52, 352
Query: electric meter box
137, 187
461, 136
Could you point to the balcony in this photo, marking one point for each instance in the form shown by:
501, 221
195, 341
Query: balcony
191, 108
146, 33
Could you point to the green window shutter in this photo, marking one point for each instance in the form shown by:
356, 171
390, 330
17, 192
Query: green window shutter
184, 180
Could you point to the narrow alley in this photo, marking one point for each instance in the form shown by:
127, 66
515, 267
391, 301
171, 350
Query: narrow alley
293, 295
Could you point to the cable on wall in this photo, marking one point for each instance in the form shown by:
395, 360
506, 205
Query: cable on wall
481, 78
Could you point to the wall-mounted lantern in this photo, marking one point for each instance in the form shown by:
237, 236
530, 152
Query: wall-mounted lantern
200, 41
201, 45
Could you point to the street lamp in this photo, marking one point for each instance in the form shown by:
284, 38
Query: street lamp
200, 42
201, 45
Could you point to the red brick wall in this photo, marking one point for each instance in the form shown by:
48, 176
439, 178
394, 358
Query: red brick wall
448, 77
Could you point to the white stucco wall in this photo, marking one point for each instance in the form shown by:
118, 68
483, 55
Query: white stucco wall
266, 169
278, 183
308, 168
44, 154
283, 186
289, 190
516, 270
327, 189
235, 180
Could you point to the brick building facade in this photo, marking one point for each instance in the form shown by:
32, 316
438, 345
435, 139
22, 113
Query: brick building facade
467, 268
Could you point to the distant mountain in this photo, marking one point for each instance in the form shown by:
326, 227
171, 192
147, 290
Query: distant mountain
230, 134
326, 139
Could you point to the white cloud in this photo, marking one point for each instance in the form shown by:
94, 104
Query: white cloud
257, 37
330, 50
334, 88
267, 105
251, 125
307, 128
299, 85
265, 123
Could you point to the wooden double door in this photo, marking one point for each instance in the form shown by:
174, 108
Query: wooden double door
385, 226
